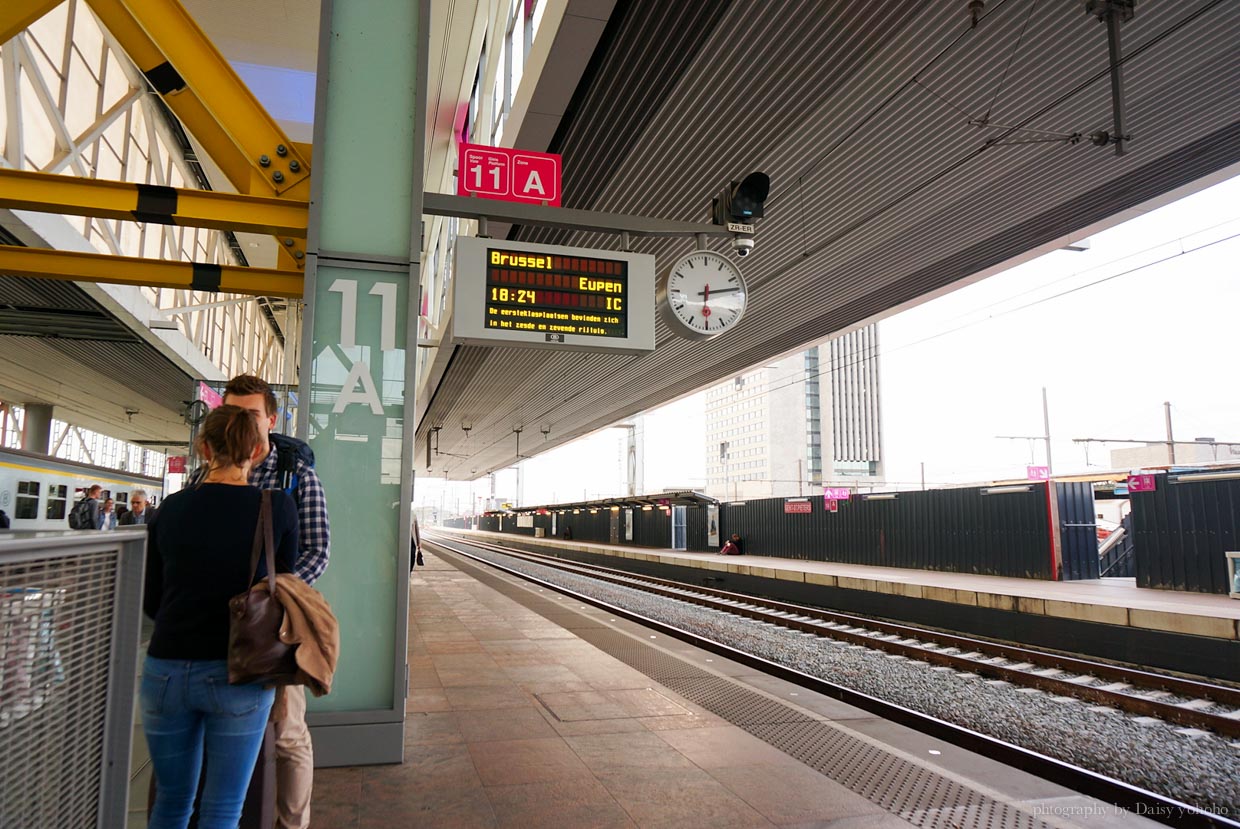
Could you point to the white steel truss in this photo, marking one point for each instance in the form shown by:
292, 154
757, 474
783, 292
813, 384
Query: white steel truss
73, 103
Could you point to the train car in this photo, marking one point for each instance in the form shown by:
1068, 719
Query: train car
38, 491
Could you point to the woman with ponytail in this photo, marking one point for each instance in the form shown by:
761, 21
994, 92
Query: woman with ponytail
198, 557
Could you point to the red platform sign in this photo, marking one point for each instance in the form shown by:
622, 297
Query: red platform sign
832, 506
176, 464
798, 506
508, 175
1141, 483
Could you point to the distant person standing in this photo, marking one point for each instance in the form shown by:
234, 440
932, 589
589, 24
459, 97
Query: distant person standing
85, 513
140, 511
415, 544
107, 515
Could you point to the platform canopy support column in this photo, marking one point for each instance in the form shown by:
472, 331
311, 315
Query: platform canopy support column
358, 344
37, 428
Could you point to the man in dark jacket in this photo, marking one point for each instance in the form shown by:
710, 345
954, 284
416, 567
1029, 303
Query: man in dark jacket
140, 512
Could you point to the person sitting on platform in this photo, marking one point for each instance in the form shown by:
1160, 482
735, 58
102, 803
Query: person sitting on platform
733, 546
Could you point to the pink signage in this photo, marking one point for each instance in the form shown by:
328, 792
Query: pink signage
508, 175
1141, 483
176, 464
792, 507
1038, 473
209, 396
836, 493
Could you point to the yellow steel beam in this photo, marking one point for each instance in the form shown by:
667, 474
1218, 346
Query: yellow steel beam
153, 273
179, 60
49, 193
212, 102
17, 15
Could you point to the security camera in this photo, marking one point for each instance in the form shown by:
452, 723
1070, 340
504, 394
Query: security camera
743, 245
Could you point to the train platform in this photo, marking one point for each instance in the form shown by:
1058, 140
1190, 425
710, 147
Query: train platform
1191, 632
530, 709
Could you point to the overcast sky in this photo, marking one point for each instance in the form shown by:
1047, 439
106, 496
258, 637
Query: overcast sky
1148, 314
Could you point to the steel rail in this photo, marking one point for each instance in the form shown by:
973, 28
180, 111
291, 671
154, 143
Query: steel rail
1158, 807
1134, 704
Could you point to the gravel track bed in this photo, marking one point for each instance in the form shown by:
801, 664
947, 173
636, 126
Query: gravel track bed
1201, 770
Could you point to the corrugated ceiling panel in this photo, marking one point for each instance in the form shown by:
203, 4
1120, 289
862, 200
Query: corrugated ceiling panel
881, 188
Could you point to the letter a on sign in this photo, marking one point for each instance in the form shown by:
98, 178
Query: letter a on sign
368, 395
534, 184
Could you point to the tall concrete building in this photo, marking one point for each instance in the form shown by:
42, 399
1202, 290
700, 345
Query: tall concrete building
792, 426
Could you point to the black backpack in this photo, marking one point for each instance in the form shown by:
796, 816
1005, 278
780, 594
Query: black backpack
288, 451
79, 516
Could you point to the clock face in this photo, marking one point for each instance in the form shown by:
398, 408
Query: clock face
703, 295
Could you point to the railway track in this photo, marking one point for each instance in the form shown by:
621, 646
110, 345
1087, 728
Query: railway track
1185, 702
1143, 693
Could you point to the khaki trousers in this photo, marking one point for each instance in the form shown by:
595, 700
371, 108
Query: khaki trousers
294, 762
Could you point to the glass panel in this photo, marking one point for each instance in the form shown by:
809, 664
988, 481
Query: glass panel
115, 84
39, 140
83, 97
372, 163
516, 48
87, 36
109, 164
356, 407
49, 30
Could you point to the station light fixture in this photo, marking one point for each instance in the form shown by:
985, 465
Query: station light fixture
647, 507
1004, 490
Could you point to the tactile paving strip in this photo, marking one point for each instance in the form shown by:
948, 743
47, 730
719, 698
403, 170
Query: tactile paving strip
910, 791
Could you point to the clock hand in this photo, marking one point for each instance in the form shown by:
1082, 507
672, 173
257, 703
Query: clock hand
706, 292
719, 291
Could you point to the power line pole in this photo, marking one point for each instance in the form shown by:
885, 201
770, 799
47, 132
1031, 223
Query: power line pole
1170, 439
1046, 425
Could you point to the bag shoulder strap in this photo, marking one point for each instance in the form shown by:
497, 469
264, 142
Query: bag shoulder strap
263, 540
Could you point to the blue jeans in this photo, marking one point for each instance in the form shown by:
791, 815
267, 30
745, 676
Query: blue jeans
188, 705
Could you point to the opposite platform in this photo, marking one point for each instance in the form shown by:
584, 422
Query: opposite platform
1109, 601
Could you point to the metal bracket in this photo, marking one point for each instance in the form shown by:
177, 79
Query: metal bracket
444, 204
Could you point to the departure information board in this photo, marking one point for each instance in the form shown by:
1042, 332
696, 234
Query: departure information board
553, 296
558, 294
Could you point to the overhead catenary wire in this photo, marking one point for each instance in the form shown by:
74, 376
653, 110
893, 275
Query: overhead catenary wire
832, 367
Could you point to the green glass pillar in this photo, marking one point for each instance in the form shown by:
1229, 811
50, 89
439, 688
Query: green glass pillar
357, 367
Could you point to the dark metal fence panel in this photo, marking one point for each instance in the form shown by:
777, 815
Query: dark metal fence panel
956, 530
70, 613
1078, 531
1181, 532
652, 528
696, 530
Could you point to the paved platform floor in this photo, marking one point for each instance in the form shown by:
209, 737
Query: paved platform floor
515, 721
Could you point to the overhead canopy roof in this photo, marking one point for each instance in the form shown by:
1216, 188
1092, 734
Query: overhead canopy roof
677, 498
907, 152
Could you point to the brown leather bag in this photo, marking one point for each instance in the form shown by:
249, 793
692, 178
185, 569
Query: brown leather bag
255, 652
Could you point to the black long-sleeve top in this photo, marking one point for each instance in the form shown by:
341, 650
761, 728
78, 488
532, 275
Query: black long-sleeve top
198, 557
